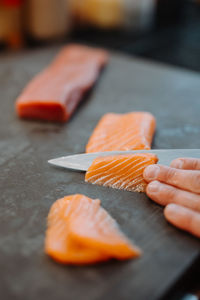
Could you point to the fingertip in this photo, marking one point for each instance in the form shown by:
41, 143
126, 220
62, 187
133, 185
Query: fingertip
171, 210
186, 163
151, 172
152, 187
183, 218
177, 163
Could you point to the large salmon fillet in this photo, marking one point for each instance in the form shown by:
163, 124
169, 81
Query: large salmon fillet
80, 231
54, 94
121, 171
128, 131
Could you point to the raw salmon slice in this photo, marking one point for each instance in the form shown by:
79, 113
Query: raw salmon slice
121, 171
54, 94
129, 131
58, 244
80, 231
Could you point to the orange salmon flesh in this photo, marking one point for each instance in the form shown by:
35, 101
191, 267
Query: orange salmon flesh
130, 131
54, 93
81, 232
124, 172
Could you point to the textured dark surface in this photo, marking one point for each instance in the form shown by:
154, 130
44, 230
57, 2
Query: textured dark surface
29, 185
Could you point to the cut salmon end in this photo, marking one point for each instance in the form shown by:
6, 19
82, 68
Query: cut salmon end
54, 93
42, 111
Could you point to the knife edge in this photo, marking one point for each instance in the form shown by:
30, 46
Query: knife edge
82, 161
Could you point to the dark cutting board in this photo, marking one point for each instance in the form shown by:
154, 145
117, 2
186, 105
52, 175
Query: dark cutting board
28, 185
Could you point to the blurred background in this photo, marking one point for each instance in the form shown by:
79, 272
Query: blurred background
162, 30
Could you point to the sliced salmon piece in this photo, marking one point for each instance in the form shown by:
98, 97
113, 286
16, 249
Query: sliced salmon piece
121, 171
54, 94
80, 231
92, 226
129, 131
57, 242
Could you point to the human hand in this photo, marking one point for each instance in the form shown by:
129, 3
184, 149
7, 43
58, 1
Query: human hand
178, 188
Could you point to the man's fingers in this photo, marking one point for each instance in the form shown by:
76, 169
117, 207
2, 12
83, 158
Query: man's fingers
183, 218
164, 194
183, 179
186, 163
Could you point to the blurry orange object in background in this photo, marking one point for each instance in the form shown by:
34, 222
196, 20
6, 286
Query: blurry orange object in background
103, 13
47, 19
51, 20
10, 23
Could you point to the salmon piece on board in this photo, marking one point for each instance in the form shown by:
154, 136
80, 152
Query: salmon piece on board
130, 131
54, 93
121, 171
80, 231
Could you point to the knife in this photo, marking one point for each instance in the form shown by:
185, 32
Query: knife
82, 162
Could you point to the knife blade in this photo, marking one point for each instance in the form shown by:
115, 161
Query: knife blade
81, 162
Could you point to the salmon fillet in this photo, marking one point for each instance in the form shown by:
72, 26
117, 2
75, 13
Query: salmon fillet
121, 171
80, 231
54, 94
129, 131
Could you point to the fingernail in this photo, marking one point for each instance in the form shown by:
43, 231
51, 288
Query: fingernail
171, 211
173, 207
151, 172
153, 187
178, 164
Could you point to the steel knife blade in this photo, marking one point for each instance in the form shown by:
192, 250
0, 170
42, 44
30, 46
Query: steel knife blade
81, 162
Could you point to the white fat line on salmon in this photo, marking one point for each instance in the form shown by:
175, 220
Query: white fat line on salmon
132, 139
119, 142
111, 163
112, 178
120, 175
96, 163
139, 186
106, 183
140, 133
138, 177
113, 133
134, 183
110, 169
124, 180
114, 137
